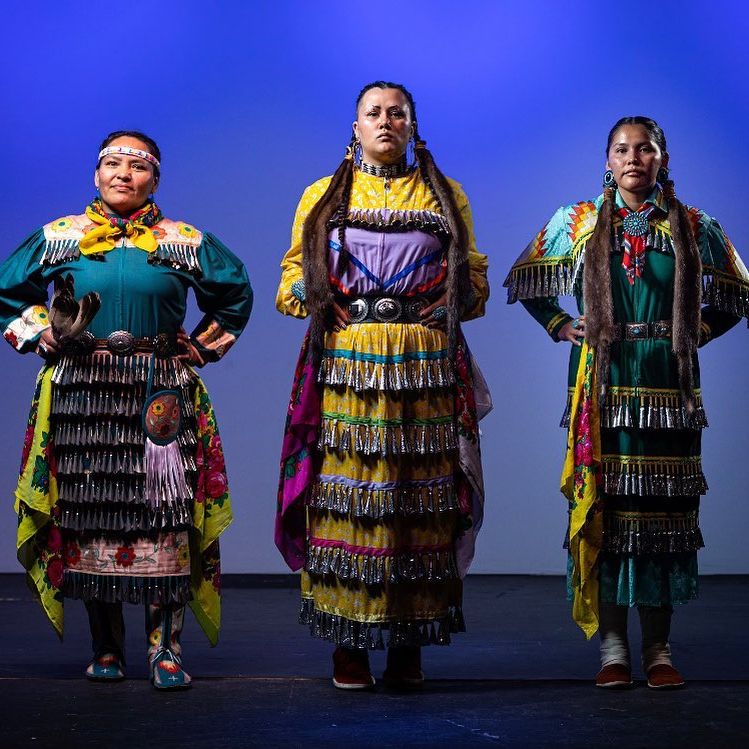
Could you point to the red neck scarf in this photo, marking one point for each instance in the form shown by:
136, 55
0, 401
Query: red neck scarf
636, 225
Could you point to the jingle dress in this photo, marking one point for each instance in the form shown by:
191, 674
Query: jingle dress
91, 525
650, 471
381, 491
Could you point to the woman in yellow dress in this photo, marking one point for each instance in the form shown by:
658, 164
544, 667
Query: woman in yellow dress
381, 492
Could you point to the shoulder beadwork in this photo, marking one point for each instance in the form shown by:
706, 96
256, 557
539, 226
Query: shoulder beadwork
61, 238
550, 264
178, 245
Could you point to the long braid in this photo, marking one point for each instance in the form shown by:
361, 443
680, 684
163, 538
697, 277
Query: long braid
332, 206
687, 305
687, 299
598, 301
459, 290
332, 209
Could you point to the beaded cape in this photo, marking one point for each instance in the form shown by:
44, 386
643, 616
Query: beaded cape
551, 265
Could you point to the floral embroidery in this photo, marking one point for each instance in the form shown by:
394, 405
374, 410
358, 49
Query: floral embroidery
212, 566
40, 479
186, 230
72, 554
465, 401
212, 485
62, 224
54, 539
125, 556
169, 666
183, 555
55, 569
27, 326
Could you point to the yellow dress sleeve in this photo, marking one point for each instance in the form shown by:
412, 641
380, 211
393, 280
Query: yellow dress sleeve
478, 263
287, 302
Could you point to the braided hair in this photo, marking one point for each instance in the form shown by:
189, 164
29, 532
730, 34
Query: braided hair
598, 300
332, 208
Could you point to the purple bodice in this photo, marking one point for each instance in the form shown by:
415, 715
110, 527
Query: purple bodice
391, 263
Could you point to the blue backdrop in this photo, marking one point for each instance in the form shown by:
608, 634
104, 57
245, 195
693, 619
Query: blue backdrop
252, 101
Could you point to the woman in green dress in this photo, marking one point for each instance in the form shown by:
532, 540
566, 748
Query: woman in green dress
640, 265
122, 494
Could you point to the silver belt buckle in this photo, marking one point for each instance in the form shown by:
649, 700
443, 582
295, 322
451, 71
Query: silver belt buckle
121, 342
387, 309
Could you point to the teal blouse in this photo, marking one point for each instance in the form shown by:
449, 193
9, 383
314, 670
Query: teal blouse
140, 292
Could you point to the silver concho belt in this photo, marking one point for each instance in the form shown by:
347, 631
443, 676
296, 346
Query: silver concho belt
640, 331
122, 342
386, 308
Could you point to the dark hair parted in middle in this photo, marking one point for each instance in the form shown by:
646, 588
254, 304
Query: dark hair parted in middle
598, 301
331, 211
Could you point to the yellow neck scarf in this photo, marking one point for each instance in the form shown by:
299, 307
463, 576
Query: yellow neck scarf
106, 235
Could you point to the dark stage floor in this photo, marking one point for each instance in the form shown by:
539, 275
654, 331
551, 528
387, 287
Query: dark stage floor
520, 677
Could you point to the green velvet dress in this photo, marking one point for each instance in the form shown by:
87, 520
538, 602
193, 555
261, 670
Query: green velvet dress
651, 470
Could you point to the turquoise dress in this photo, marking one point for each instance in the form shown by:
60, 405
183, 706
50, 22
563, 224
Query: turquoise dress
652, 475
125, 512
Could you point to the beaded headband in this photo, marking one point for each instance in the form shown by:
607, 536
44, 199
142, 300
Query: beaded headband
127, 151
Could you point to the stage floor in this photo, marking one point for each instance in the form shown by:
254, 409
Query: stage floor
520, 677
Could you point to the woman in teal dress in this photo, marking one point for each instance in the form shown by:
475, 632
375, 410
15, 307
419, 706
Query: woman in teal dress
640, 265
122, 493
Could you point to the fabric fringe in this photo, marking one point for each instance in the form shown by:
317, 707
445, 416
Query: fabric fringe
387, 440
172, 589
104, 367
125, 519
376, 503
353, 634
646, 410
652, 535
559, 276
367, 375
657, 477
165, 475
398, 221
179, 256
725, 293
57, 251
432, 566
534, 280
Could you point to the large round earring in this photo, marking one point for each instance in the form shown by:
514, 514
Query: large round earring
663, 175
608, 179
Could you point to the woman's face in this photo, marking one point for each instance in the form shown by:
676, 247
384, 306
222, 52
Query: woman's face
383, 125
635, 159
125, 182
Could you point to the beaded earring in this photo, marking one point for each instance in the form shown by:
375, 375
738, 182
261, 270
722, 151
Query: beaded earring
608, 179
663, 176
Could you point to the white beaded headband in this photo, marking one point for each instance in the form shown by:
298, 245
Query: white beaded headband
127, 151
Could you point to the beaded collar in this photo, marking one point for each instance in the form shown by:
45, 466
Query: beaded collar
389, 171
